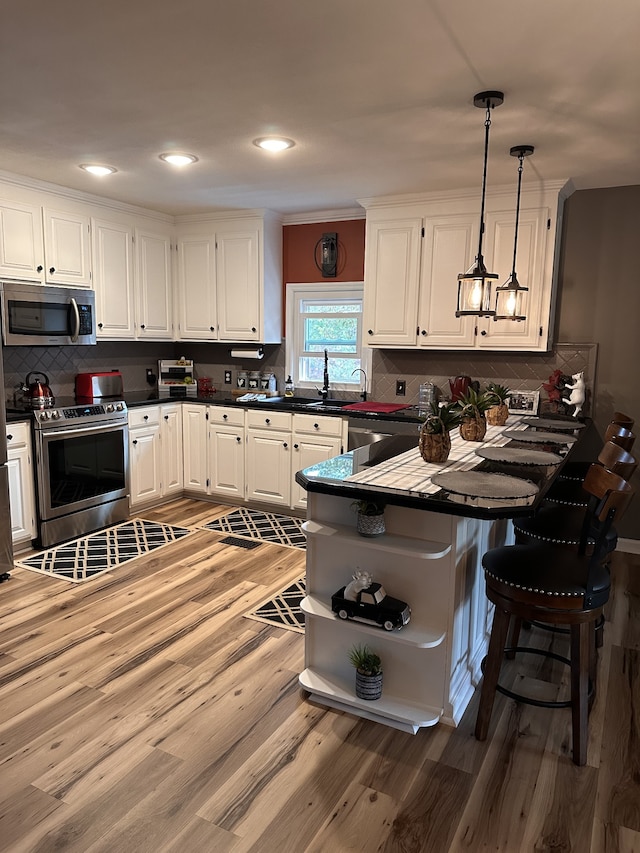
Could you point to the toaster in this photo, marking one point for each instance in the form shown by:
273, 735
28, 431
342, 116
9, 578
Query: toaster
107, 384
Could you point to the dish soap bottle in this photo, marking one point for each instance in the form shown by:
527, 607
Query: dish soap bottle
288, 387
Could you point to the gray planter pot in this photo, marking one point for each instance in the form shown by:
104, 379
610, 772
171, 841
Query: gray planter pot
370, 525
368, 686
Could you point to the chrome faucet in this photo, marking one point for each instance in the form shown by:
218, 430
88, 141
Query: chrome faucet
363, 393
324, 393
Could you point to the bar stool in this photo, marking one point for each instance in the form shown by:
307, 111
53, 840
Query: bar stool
620, 435
571, 493
623, 420
540, 582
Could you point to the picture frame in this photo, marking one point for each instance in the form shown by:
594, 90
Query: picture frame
524, 402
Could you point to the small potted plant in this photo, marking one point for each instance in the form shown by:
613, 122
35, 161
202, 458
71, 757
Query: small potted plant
369, 517
472, 407
498, 411
368, 672
435, 442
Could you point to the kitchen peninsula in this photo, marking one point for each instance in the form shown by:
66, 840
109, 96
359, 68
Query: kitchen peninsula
430, 557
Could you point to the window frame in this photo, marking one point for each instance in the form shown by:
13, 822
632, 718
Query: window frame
294, 334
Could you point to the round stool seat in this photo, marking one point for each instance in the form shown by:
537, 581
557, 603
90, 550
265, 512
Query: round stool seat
542, 571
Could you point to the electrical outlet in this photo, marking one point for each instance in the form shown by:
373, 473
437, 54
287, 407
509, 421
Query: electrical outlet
227, 377
401, 387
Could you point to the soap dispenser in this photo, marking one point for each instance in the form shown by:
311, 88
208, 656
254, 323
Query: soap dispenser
288, 387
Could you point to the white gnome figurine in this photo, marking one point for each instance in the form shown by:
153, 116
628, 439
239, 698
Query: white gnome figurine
577, 396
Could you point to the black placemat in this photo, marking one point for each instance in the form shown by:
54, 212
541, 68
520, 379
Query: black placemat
519, 455
481, 484
553, 424
532, 436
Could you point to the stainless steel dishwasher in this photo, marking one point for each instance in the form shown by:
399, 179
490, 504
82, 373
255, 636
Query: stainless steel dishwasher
362, 431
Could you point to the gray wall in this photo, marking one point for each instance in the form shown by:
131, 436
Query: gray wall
600, 301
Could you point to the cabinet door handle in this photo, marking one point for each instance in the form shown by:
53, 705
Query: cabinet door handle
9, 437
238, 439
285, 445
296, 446
267, 420
166, 417
142, 326
253, 329
369, 331
99, 325
135, 441
212, 328
424, 333
483, 332
39, 268
52, 269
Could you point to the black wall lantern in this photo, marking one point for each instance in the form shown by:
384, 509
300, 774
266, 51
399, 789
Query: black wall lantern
474, 286
326, 255
510, 296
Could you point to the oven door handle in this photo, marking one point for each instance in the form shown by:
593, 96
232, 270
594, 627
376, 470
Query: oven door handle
74, 430
75, 330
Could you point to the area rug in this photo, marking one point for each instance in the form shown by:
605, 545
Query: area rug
266, 526
84, 558
283, 608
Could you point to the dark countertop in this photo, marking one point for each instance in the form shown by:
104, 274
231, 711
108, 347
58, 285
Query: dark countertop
329, 478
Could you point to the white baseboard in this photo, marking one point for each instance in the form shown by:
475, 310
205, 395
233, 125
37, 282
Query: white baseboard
629, 546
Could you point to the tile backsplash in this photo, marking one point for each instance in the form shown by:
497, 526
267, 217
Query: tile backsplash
519, 371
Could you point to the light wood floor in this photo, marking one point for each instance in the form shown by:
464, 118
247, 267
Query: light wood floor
142, 712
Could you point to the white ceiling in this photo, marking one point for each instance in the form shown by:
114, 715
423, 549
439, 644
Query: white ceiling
378, 95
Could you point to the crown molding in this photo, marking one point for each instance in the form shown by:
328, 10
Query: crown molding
564, 187
226, 215
312, 217
78, 195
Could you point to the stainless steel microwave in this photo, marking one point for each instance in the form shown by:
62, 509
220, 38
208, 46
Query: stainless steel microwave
35, 315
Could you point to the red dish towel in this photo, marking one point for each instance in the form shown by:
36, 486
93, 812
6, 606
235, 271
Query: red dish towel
382, 408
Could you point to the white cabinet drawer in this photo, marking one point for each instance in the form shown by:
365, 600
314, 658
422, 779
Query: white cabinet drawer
145, 416
18, 434
317, 425
227, 415
261, 419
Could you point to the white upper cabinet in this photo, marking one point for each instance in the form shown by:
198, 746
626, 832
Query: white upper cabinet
416, 249
197, 314
230, 279
21, 241
113, 279
153, 286
67, 247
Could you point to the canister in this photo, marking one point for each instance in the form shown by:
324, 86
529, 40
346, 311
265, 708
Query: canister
241, 379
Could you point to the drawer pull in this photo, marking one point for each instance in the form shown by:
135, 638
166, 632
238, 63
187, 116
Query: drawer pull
267, 420
316, 426
9, 438
224, 417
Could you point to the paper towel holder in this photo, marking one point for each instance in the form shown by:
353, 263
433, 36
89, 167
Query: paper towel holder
255, 352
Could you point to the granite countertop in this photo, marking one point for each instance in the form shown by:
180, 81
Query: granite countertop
392, 471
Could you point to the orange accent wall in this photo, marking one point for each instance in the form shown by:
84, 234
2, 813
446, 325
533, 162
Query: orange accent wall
298, 243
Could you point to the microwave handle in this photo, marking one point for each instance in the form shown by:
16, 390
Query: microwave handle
75, 331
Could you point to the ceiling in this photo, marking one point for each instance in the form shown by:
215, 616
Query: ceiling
377, 94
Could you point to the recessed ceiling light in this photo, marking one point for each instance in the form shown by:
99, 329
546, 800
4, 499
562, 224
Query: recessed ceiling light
96, 169
179, 159
274, 143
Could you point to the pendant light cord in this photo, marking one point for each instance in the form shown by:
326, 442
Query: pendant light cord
487, 125
515, 241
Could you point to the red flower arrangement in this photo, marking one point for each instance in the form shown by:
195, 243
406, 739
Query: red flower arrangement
554, 387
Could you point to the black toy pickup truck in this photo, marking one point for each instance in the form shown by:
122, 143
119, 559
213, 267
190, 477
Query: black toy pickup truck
372, 605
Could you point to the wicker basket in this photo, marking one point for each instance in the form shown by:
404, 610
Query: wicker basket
434, 446
473, 429
497, 415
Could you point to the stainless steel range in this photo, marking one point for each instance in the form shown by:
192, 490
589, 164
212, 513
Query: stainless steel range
82, 454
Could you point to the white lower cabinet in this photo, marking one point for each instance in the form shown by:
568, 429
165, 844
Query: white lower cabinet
314, 440
269, 457
155, 453
22, 494
226, 451
430, 560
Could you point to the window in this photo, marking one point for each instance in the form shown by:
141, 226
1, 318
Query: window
326, 316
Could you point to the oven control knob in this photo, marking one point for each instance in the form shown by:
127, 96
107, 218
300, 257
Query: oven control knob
110, 407
119, 407
44, 416
55, 415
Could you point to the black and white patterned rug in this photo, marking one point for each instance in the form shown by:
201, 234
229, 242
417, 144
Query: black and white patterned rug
265, 526
283, 608
84, 558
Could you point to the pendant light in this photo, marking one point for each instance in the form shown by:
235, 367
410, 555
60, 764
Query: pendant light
510, 295
474, 286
